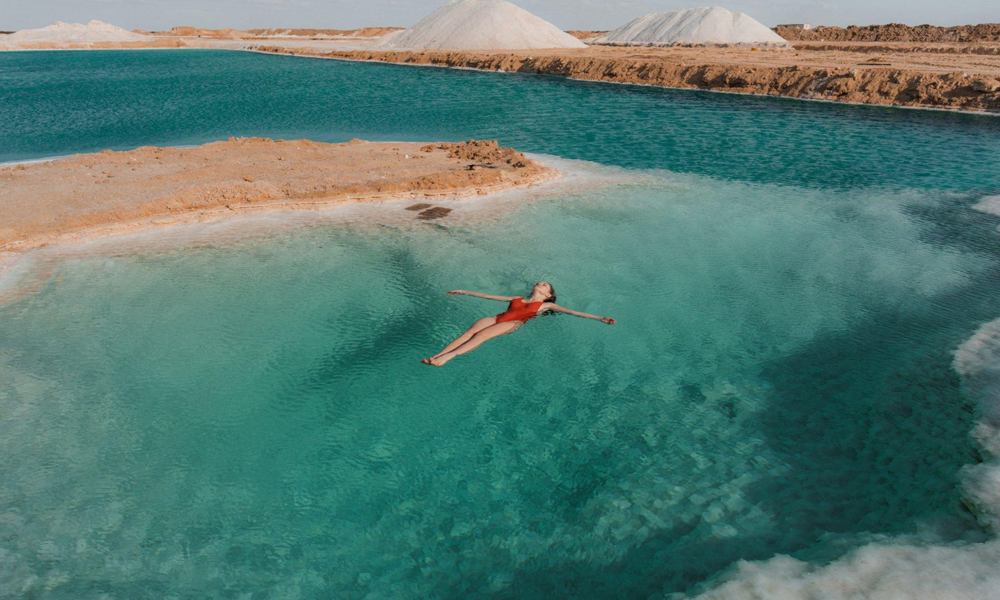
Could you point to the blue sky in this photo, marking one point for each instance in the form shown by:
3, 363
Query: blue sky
568, 14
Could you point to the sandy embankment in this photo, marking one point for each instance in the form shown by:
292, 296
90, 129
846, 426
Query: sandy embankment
154, 44
895, 32
234, 39
955, 68
364, 32
235, 34
884, 74
115, 192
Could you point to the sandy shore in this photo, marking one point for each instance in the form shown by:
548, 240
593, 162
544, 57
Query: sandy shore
943, 76
118, 192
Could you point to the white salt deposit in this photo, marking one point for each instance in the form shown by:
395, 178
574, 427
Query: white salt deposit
714, 25
978, 362
909, 568
989, 204
874, 572
481, 25
95, 31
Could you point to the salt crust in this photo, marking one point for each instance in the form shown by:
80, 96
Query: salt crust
908, 567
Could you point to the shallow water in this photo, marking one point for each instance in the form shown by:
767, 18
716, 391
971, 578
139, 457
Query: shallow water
791, 281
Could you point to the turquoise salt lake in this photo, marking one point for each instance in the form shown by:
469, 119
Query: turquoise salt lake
248, 419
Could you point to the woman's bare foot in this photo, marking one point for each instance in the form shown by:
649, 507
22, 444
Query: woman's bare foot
441, 360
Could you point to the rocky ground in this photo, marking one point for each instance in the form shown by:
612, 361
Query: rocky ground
895, 32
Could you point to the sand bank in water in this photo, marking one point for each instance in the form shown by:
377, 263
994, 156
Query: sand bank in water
111, 192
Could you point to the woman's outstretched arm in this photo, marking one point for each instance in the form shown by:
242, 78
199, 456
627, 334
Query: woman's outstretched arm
557, 308
478, 295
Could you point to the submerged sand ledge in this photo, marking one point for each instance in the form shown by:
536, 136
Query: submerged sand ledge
961, 82
116, 192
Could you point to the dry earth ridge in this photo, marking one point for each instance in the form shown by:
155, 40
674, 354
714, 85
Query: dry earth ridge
119, 191
737, 70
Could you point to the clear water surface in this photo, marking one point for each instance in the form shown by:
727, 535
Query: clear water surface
249, 420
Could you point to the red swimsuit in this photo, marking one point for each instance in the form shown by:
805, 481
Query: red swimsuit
519, 310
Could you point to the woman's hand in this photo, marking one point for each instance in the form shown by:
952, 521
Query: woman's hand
608, 321
456, 292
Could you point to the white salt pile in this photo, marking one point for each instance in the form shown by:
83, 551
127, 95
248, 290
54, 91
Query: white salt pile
989, 204
481, 25
95, 31
714, 25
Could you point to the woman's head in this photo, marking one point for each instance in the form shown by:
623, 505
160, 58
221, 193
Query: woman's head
544, 290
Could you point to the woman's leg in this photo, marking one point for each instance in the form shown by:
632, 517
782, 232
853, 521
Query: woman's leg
495, 330
476, 328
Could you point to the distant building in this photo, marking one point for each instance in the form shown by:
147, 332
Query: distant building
798, 25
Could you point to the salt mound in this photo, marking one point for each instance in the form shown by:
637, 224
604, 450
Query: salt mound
481, 25
989, 204
714, 25
95, 31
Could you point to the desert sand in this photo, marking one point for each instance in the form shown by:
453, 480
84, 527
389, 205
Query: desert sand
895, 32
105, 192
236, 34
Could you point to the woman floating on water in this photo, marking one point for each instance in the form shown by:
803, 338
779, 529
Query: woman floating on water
520, 310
